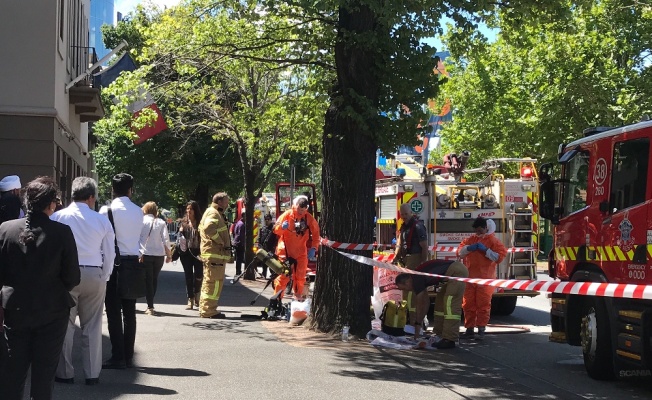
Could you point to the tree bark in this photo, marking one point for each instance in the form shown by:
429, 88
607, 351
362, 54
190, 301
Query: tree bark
343, 287
250, 204
201, 197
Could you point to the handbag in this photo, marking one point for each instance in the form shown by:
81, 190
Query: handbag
130, 275
175, 252
131, 280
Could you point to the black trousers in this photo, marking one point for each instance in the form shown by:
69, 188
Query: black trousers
35, 343
121, 318
153, 266
193, 270
239, 259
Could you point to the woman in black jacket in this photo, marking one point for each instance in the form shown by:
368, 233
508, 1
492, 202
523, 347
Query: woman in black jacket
193, 267
38, 267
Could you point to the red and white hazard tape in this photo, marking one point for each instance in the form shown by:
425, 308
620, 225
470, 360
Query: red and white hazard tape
617, 290
443, 249
390, 257
346, 246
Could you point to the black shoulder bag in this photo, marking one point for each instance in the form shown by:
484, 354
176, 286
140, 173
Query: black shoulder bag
116, 261
130, 275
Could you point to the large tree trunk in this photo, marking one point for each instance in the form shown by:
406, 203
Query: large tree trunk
250, 274
202, 197
344, 287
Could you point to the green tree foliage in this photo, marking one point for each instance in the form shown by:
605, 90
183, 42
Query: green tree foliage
381, 65
540, 85
264, 109
366, 55
170, 168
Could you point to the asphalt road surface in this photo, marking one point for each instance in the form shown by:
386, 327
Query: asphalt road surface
180, 356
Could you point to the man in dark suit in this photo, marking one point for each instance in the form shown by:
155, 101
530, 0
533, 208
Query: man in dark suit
38, 267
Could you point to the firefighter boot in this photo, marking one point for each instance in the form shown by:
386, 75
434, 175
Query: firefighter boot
445, 344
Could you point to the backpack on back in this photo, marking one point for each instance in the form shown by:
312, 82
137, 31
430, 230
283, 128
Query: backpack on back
394, 317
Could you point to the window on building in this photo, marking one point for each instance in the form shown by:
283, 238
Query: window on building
61, 18
629, 177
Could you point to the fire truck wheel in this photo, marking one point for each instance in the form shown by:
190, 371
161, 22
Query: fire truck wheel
596, 343
501, 306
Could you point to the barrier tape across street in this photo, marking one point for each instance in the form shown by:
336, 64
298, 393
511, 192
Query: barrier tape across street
447, 249
617, 290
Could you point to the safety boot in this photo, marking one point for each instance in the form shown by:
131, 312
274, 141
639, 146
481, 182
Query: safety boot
445, 344
481, 332
469, 334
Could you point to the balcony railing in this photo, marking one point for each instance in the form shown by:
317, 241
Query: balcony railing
82, 58
82, 94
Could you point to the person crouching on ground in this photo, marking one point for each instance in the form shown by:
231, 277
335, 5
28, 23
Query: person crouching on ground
481, 252
448, 304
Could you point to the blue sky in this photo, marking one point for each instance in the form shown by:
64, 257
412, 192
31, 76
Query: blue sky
437, 44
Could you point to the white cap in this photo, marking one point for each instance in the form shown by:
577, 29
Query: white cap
10, 182
299, 197
491, 226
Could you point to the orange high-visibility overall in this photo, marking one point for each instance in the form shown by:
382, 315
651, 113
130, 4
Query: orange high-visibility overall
477, 298
294, 244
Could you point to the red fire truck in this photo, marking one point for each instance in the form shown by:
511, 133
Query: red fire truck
599, 202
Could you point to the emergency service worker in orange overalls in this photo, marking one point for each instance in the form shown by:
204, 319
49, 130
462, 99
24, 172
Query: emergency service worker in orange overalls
294, 228
481, 253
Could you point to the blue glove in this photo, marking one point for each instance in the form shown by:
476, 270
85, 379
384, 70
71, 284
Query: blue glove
472, 247
311, 253
481, 247
285, 225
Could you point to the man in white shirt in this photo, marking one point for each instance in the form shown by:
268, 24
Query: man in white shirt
121, 299
96, 251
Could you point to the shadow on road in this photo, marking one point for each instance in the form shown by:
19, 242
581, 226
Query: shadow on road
171, 371
456, 370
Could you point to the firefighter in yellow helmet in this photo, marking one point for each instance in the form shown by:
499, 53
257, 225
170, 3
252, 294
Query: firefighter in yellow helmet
216, 252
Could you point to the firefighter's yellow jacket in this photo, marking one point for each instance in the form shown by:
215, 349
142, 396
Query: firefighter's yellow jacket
215, 239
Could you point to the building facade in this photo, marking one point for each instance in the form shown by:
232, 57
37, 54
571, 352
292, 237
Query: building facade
44, 116
101, 13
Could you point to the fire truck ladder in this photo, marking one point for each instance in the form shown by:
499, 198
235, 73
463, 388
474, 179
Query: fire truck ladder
522, 263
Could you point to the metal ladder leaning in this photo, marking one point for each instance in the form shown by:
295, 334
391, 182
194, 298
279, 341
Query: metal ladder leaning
522, 263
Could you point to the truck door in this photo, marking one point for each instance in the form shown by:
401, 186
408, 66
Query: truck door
627, 231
